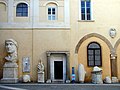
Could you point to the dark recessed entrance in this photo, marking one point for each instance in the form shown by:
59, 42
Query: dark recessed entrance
58, 69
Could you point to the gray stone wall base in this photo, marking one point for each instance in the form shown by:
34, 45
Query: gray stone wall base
9, 80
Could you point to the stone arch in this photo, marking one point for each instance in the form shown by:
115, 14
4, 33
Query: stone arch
4, 2
117, 44
15, 4
117, 60
54, 2
93, 35
4, 5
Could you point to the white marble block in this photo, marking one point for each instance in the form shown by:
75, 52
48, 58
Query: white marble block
107, 79
10, 73
115, 80
26, 78
97, 75
26, 64
81, 72
49, 81
41, 77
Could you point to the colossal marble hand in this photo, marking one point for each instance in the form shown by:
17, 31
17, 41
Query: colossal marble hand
40, 67
11, 48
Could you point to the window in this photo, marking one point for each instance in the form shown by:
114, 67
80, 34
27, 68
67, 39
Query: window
22, 10
85, 10
94, 54
51, 13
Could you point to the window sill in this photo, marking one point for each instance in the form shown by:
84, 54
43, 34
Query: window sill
86, 20
22, 17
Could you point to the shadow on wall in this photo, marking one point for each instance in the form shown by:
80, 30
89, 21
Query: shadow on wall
2, 61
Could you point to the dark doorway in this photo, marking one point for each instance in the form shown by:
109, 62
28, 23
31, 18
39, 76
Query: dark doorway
58, 69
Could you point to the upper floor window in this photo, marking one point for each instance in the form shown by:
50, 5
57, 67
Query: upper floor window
94, 54
85, 9
22, 10
51, 13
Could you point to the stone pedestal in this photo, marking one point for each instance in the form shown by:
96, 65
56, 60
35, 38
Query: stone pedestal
97, 77
41, 77
10, 73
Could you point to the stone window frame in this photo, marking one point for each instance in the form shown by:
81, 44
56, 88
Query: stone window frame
17, 3
91, 11
52, 15
94, 60
55, 5
22, 7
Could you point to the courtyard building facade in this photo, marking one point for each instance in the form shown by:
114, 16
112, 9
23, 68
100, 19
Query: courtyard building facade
62, 34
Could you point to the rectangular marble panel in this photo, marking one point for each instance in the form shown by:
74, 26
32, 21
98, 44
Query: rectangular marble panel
26, 64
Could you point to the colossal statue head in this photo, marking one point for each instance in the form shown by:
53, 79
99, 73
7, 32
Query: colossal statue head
11, 46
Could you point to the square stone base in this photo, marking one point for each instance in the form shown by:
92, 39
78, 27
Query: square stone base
41, 77
97, 77
9, 80
10, 73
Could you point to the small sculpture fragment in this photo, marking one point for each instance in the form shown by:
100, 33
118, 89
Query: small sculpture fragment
81, 72
40, 67
97, 75
40, 72
107, 79
11, 48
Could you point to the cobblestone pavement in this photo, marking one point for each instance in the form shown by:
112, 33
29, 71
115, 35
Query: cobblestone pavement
59, 86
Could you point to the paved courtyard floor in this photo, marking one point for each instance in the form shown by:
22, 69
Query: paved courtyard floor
59, 86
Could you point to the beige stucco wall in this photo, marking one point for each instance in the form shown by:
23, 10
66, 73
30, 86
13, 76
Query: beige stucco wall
118, 61
101, 23
82, 57
24, 40
48, 40
3, 12
34, 43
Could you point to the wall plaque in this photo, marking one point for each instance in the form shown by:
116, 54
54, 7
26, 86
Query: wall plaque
26, 64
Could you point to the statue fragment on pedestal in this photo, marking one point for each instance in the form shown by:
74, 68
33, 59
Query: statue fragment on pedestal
41, 72
10, 68
40, 67
97, 75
